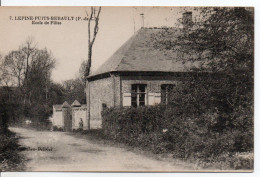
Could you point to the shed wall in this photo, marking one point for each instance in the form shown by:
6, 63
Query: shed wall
58, 119
77, 114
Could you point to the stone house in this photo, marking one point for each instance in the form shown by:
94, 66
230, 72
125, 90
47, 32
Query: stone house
137, 74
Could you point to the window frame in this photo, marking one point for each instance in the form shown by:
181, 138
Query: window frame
166, 93
138, 93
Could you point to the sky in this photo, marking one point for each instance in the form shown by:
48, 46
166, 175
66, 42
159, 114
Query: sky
68, 42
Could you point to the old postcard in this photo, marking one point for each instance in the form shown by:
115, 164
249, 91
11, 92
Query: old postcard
132, 89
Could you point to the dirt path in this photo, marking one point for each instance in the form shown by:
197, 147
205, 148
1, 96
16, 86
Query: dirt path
59, 151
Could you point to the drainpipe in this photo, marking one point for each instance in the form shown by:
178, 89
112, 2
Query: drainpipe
113, 87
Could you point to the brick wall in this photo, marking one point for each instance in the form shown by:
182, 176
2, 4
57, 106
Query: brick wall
101, 92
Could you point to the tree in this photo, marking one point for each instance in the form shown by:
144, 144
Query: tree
39, 70
221, 41
93, 17
6, 78
82, 71
30, 70
227, 36
92, 33
224, 40
16, 65
74, 90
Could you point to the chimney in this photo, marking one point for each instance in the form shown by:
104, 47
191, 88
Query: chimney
142, 15
187, 19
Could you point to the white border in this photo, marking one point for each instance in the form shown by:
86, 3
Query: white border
129, 2
255, 3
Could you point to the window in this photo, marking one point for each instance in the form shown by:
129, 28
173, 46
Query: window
166, 91
138, 95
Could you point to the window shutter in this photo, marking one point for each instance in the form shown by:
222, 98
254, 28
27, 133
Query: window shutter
126, 99
154, 98
157, 98
151, 98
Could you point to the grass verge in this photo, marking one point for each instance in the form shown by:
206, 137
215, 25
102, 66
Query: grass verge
10, 156
225, 161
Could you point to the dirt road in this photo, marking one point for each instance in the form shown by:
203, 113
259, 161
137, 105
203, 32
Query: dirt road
59, 151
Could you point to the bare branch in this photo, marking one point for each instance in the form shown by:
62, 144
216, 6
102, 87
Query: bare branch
91, 39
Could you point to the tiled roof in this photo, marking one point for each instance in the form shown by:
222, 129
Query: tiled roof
139, 54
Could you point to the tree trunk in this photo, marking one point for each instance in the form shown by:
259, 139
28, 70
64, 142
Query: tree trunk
93, 16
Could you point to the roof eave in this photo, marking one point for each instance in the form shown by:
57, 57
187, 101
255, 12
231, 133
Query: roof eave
151, 73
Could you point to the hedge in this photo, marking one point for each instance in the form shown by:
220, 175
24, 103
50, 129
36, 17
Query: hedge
202, 121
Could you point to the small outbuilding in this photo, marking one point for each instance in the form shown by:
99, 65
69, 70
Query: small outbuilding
70, 117
79, 115
61, 117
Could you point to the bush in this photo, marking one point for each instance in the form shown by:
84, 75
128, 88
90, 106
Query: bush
143, 120
159, 129
55, 128
77, 130
10, 158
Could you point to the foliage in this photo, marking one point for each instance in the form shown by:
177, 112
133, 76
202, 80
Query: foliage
83, 70
222, 40
208, 115
10, 158
55, 128
214, 115
9, 106
198, 123
29, 69
74, 89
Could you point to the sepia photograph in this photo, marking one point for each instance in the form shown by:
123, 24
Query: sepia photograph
127, 89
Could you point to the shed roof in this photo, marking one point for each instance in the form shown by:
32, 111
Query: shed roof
76, 104
80, 107
139, 54
65, 105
